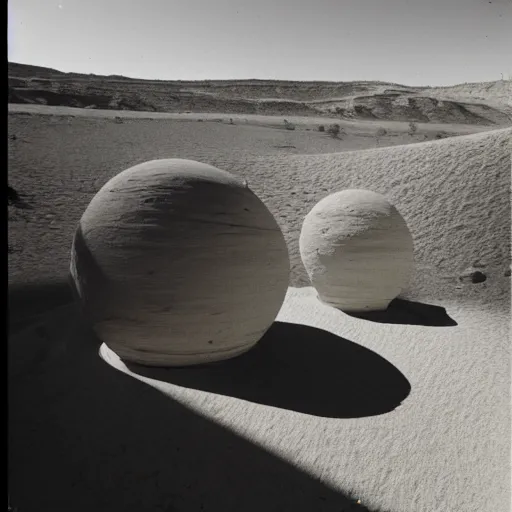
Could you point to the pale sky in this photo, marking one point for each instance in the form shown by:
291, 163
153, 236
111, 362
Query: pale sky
412, 42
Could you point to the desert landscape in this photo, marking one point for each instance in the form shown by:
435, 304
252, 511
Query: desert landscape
403, 410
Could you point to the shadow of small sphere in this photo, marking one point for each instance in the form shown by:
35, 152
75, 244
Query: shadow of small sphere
302, 369
407, 312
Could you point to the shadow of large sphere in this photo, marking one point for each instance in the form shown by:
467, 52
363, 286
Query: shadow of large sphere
299, 368
176, 262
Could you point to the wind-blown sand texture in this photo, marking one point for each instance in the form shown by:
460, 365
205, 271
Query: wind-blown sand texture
408, 411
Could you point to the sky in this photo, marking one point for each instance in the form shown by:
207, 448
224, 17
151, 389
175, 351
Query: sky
411, 42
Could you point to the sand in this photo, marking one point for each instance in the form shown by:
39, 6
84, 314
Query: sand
302, 429
61, 162
366, 127
406, 412
445, 448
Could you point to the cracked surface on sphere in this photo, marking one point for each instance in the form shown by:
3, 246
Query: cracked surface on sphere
176, 262
357, 250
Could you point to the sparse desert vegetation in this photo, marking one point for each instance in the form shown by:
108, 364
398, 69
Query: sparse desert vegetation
335, 130
289, 126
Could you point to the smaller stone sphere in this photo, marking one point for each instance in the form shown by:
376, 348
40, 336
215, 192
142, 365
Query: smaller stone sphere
176, 263
357, 250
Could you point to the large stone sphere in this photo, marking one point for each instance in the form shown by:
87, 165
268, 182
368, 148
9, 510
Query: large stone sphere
177, 263
357, 250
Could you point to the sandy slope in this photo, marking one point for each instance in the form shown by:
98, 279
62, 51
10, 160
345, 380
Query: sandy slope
60, 162
454, 195
324, 406
499, 92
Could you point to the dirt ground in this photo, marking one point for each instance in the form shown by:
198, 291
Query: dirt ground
485, 104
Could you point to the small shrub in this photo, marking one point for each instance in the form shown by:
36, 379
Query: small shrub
118, 120
413, 128
381, 132
288, 125
334, 130
321, 128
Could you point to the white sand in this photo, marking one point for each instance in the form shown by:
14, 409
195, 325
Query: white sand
445, 449
84, 436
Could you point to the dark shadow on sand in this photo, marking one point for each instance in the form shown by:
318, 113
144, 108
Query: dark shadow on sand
27, 303
85, 437
15, 199
299, 368
401, 311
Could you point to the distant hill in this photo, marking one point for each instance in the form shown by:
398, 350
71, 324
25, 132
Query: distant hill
482, 103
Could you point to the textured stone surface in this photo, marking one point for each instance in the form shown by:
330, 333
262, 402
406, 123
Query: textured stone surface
357, 250
176, 262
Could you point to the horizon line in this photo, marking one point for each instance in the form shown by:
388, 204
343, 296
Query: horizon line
115, 75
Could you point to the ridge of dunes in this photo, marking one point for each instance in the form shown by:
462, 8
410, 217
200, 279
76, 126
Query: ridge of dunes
453, 193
